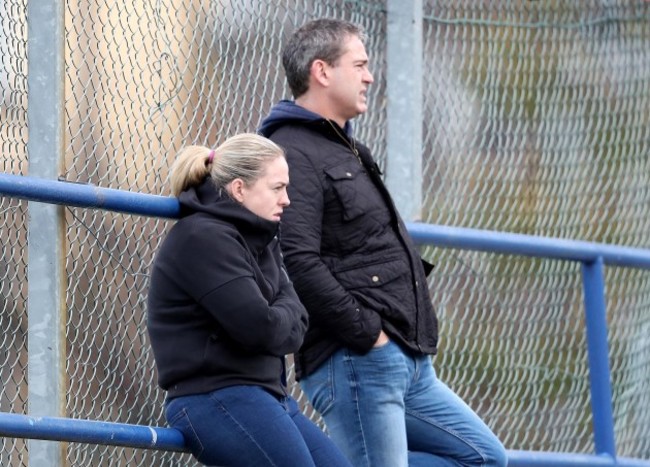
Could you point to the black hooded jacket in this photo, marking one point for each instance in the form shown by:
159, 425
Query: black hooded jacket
221, 309
346, 248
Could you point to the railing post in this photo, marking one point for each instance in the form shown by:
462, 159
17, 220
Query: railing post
46, 278
598, 350
404, 106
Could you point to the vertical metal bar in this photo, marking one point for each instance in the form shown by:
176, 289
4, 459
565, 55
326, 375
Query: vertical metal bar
404, 106
46, 226
598, 349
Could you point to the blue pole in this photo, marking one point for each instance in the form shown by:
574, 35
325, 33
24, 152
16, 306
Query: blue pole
598, 350
85, 195
90, 431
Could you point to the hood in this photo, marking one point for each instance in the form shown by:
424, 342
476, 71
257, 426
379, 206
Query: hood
287, 111
206, 198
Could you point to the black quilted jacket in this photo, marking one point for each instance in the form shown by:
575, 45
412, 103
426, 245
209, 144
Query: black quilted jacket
345, 246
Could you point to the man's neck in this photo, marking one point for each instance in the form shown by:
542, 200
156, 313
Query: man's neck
316, 105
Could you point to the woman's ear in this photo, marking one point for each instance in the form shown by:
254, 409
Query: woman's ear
236, 190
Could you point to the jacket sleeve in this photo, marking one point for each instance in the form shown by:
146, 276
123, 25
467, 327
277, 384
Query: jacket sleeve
276, 328
329, 304
224, 286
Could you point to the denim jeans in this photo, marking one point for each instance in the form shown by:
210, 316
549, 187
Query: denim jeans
387, 408
247, 426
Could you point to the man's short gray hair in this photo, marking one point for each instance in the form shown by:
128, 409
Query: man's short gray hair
321, 39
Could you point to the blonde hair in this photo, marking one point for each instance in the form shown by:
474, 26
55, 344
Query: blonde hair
242, 156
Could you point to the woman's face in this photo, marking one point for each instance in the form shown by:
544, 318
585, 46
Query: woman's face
267, 196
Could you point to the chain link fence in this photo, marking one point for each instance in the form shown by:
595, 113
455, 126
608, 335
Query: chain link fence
535, 121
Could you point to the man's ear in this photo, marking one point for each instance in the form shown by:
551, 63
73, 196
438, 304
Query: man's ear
236, 190
320, 72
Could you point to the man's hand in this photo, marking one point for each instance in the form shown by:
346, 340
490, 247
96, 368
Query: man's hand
382, 339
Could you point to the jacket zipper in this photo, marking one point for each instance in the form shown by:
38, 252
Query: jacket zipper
345, 140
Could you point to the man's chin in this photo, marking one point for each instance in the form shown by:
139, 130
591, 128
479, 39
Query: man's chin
362, 109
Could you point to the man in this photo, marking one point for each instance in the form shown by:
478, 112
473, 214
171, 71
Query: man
365, 363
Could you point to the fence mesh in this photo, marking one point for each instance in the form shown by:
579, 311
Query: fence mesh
13, 224
536, 121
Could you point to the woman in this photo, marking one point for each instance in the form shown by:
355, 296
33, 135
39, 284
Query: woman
222, 313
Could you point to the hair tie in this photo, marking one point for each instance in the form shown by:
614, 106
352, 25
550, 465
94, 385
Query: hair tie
211, 156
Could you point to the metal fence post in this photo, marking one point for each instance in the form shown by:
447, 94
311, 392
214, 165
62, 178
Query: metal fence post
598, 349
404, 106
46, 225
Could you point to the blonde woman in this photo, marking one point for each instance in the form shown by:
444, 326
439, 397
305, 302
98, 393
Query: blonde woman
222, 313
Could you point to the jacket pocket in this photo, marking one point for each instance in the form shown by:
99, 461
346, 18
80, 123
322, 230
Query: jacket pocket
385, 288
347, 182
373, 275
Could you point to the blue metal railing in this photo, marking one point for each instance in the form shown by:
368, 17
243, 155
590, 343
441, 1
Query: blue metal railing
87, 196
91, 431
593, 256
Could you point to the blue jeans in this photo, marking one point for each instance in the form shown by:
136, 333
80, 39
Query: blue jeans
247, 426
387, 408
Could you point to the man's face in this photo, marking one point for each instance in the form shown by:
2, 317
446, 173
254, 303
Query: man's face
349, 81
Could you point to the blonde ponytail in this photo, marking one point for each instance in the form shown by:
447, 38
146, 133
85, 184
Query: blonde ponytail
242, 156
190, 168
